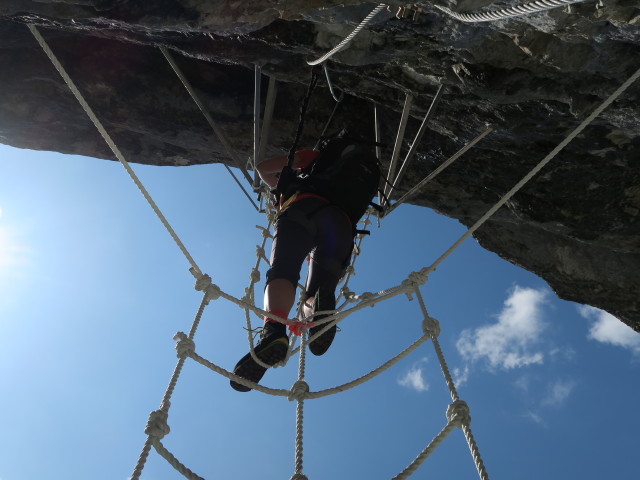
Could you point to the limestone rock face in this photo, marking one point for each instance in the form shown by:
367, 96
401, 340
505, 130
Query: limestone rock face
532, 78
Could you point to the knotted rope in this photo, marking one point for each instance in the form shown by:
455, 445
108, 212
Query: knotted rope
457, 413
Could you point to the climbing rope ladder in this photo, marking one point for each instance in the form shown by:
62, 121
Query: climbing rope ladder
457, 413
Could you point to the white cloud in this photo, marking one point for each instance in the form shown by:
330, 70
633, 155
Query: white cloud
523, 383
535, 417
558, 393
413, 378
508, 343
608, 329
461, 375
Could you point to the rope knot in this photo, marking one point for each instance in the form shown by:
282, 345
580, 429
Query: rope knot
272, 216
213, 293
348, 295
260, 252
185, 346
299, 476
458, 414
157, 426
202, 282
247, 300
298, 391
415, 280
265, 232
431, 326
255, 275
366, 296
350, 270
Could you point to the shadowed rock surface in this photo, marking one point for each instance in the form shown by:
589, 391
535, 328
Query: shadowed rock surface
532, 78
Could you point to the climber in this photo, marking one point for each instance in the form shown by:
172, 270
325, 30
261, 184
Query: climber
314, 220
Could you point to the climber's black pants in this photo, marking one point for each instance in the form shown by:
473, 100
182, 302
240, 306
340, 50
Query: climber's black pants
312, 227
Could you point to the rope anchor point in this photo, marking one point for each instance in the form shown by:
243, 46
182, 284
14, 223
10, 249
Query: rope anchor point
157, 426
431, 326
458, 414
298, 391
185, 346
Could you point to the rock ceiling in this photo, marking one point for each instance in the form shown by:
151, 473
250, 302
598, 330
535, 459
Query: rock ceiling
533, 79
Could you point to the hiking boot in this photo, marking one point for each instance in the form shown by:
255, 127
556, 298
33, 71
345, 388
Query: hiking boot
271, 349
325, 300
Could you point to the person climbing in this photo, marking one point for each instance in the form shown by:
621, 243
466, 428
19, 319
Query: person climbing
316, 219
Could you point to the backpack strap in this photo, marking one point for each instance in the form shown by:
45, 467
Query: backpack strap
286, 179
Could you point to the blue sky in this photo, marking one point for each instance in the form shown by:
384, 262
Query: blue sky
92, 290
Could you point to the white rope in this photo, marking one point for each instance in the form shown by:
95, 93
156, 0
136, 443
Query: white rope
174, 462
457, 413
157, 426
439, 170
458, 417
299, 392
107, 138
475, 453
515, 11
372, 374
429, 449
536, 169
166, 399
350, 37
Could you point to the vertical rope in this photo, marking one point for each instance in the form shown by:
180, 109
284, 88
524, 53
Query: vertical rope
475, 453
142, 460
536, 169
166, 403
300, 404
107, 138
443, 363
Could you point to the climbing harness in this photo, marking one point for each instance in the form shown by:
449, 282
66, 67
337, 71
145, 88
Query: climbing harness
457, 413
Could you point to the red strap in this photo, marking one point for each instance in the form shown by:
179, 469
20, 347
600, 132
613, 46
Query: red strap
278, 313
296, 328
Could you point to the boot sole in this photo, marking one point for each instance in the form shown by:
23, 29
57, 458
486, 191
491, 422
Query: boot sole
321, 344
324, 301
247, 367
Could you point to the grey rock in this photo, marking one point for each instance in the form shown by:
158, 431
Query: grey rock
532, 78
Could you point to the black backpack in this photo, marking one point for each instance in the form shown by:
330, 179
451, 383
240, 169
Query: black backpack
346, 172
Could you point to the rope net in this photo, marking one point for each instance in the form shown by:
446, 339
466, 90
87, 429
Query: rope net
300, 390
457, 413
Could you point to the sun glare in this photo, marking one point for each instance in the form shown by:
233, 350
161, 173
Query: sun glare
12, 253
